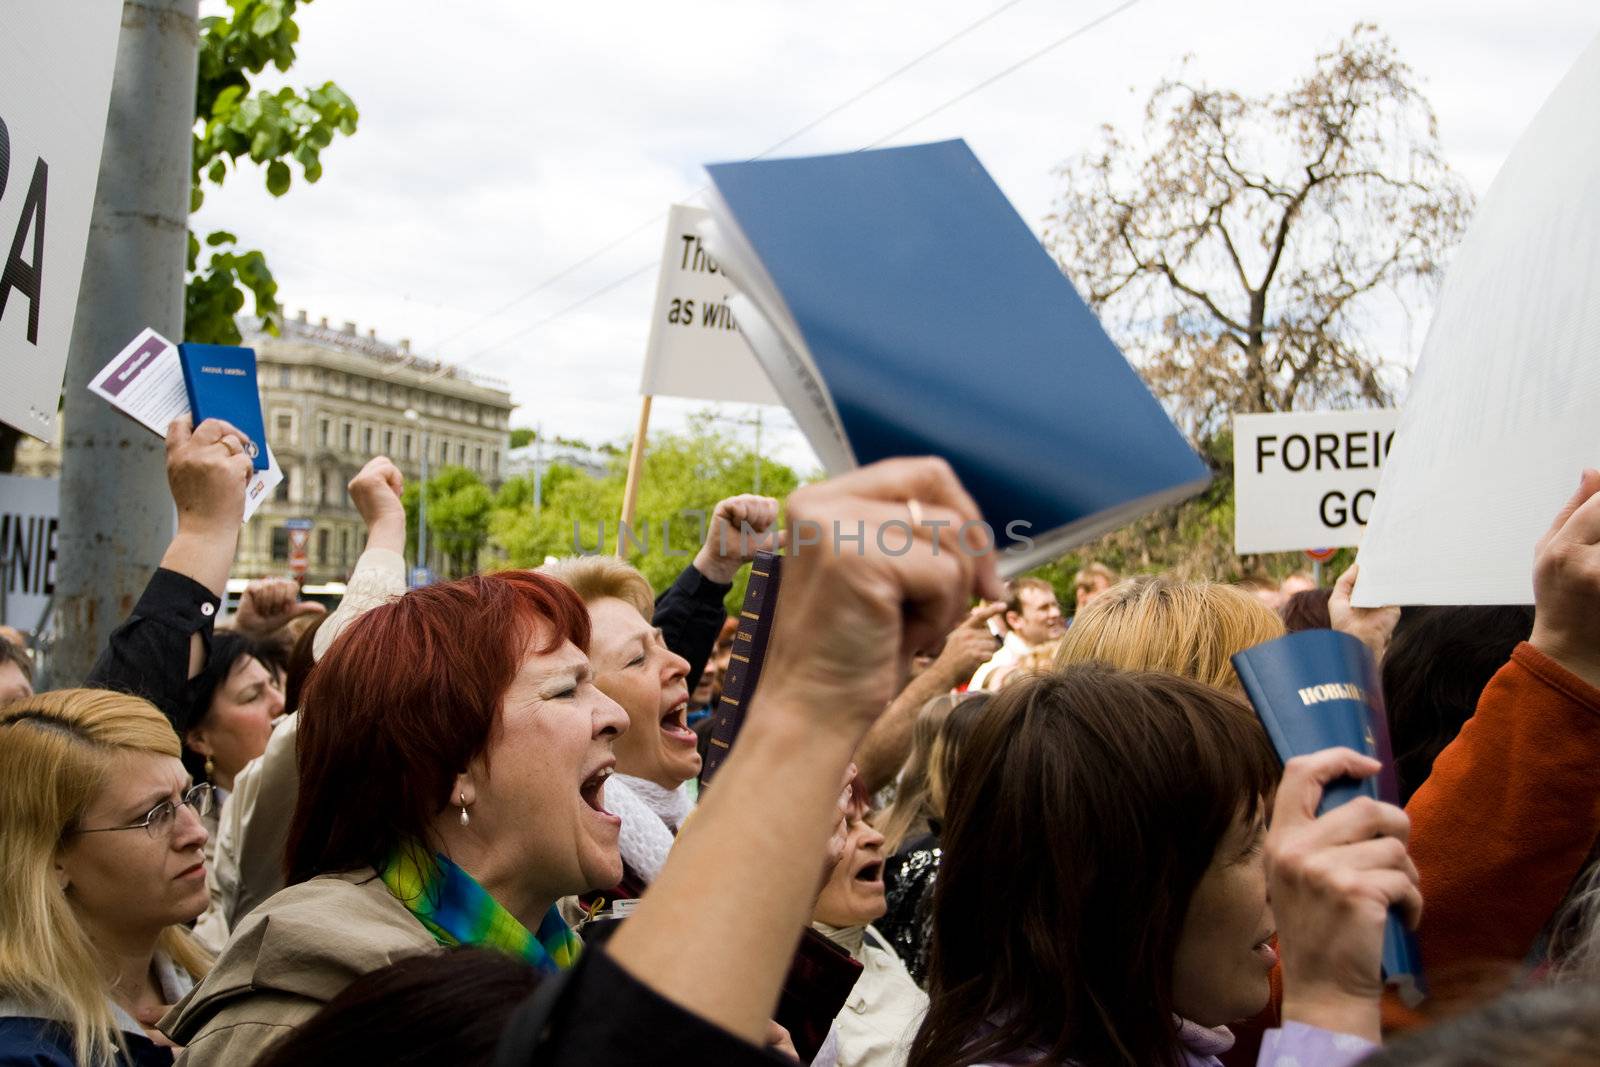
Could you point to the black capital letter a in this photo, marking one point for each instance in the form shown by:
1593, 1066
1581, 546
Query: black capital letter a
17, 274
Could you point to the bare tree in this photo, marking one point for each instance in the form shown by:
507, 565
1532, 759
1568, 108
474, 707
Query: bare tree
1244, 257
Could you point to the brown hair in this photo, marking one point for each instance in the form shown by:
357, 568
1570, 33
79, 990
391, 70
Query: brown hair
1161, 624
1085, 808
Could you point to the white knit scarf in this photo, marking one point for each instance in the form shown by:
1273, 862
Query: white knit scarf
650, 818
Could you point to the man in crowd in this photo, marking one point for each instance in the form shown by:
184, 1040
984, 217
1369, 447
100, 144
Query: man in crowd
1033, 619
1093, 579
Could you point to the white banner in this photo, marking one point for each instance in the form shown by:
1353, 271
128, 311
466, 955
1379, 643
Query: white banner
696, 349
1306, 479
30, 510
56, 63
1502, 412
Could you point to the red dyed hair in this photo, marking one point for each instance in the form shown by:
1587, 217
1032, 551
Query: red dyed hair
405, 698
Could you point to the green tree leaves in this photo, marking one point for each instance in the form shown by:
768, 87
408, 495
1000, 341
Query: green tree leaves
233, 125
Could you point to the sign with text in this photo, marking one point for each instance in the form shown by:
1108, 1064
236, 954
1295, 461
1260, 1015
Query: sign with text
696, 349
56, 63
1306, 480
30, 511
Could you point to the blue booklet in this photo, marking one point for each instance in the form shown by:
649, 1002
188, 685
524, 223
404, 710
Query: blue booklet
1320, 689
901, 306
221, 382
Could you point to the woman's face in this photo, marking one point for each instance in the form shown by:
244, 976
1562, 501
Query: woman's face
636, 669
1220, 973
130, 881
853, 894
539, 787
243, 711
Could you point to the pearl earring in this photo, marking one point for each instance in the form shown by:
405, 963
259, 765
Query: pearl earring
465, 818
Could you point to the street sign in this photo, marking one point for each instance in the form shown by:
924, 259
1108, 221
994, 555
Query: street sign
297, 540
297, 524
1320, 555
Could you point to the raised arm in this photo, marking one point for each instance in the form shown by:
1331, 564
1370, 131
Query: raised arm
164, 642
716, 932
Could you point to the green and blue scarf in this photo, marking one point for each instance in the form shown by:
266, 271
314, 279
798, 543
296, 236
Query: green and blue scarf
456, 910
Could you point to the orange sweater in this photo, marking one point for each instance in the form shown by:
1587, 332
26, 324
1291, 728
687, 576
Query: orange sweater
1500, 829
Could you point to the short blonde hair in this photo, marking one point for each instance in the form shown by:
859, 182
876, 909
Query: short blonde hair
55, 752
597, 577
1159, 624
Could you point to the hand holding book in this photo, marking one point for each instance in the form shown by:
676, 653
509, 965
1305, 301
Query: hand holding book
1332, 880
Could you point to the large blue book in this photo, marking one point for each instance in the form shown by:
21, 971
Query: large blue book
221, 382
901, 306
1320, 689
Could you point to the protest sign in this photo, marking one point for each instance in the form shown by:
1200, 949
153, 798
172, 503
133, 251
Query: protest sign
696, 349
1500, 416
30, 511
56, 63
1306, 480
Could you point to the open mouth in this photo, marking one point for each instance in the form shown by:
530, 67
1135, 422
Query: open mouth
593, 790
675, 724
871, 874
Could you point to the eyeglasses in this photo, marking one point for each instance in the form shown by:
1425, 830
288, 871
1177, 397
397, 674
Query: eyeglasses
159, 820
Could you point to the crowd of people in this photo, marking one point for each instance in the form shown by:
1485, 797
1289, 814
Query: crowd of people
463, 823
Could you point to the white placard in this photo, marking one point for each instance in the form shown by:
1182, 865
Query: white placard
1504, 410
145, 383
30, 510
696, 349
1306, 479
56, 63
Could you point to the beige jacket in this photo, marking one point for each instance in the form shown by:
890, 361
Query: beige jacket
286, 960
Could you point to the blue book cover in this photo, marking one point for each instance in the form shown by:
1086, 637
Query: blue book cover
936, 323
1320, 689
221, 381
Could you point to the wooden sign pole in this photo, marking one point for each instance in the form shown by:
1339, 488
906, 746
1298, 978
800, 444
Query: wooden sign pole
630, 492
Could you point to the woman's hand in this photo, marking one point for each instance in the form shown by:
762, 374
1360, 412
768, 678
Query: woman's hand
740, 527
375, 492
1331, 881
1371, 626
207, 471
875, 570
1566, 584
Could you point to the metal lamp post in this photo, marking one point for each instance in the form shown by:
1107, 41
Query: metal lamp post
422, 492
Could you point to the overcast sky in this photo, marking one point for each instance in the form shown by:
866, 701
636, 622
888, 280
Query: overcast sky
503, 142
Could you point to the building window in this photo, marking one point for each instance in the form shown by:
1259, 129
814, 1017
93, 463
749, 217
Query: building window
495, 462
349, 434
280, 495
322, 545
330, 488
461, 455
444, 452
283, 377
477, 459
344, 547
280, 544
405, 445
283, 427
324, 432
388, 442
366, 440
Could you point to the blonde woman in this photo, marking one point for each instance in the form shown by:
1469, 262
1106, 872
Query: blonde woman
1159, 624
100, 868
